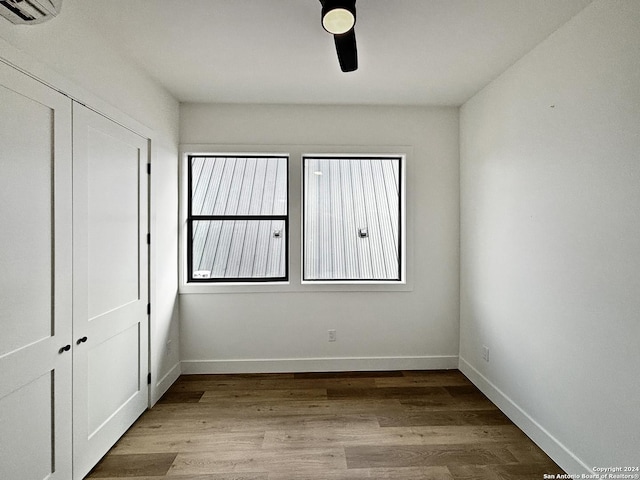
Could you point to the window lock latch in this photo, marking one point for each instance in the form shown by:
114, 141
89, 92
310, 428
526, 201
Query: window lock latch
277, 233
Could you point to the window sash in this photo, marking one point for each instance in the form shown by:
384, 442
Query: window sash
391, 275
192, 218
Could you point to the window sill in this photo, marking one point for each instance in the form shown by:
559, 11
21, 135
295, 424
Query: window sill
288, 287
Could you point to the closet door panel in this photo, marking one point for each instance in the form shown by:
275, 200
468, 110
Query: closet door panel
113, 222
110, 284
26, 239
35, 285
28, 409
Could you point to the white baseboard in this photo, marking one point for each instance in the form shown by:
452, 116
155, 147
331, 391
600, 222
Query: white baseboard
560, 454
162, 385
288, 365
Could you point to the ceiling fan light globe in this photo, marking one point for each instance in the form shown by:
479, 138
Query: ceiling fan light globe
338, 21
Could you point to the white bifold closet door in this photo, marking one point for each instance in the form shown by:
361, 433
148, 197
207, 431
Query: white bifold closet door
110, 284
35, 279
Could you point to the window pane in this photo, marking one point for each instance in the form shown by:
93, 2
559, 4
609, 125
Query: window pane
239, 249
239, 185
351, 218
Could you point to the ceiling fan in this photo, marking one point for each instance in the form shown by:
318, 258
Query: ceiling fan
339, 19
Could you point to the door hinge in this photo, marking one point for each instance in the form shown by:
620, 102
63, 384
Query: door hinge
148, 239
148, 169
149, 378
148, 309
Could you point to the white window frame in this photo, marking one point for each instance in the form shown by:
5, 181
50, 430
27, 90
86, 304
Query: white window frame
295, 283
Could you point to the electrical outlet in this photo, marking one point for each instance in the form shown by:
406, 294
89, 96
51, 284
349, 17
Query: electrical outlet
485, 353
332, 335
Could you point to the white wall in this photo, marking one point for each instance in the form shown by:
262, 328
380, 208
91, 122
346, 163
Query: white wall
287, 330
165, 319
68, 54
69, 45
550, 239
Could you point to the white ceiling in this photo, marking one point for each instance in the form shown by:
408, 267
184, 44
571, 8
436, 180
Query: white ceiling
411, 52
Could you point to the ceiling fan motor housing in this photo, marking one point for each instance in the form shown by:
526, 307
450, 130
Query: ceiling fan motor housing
338, 16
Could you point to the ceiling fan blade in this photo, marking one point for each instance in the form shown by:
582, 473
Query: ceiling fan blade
347, 50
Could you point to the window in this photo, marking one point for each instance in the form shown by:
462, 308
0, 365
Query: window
352, 218
237, 220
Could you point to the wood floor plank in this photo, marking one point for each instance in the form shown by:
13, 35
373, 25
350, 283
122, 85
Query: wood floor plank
286, 461
530, 453
229, 409
181, 397
235, 376
386, 392
212, 476
183, 442
261, 409
440, 418
436, 403
461, 390
363, 436
343, 375
405, 473
426, 455
475, 472
133, 465
516, 471
436, 379
167, 425
213, 396
218, 383
431, 373
343, 383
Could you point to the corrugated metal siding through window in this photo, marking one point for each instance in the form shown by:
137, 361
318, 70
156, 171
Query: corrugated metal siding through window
343, 196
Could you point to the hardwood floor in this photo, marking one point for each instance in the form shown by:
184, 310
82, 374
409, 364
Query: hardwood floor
325, 426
